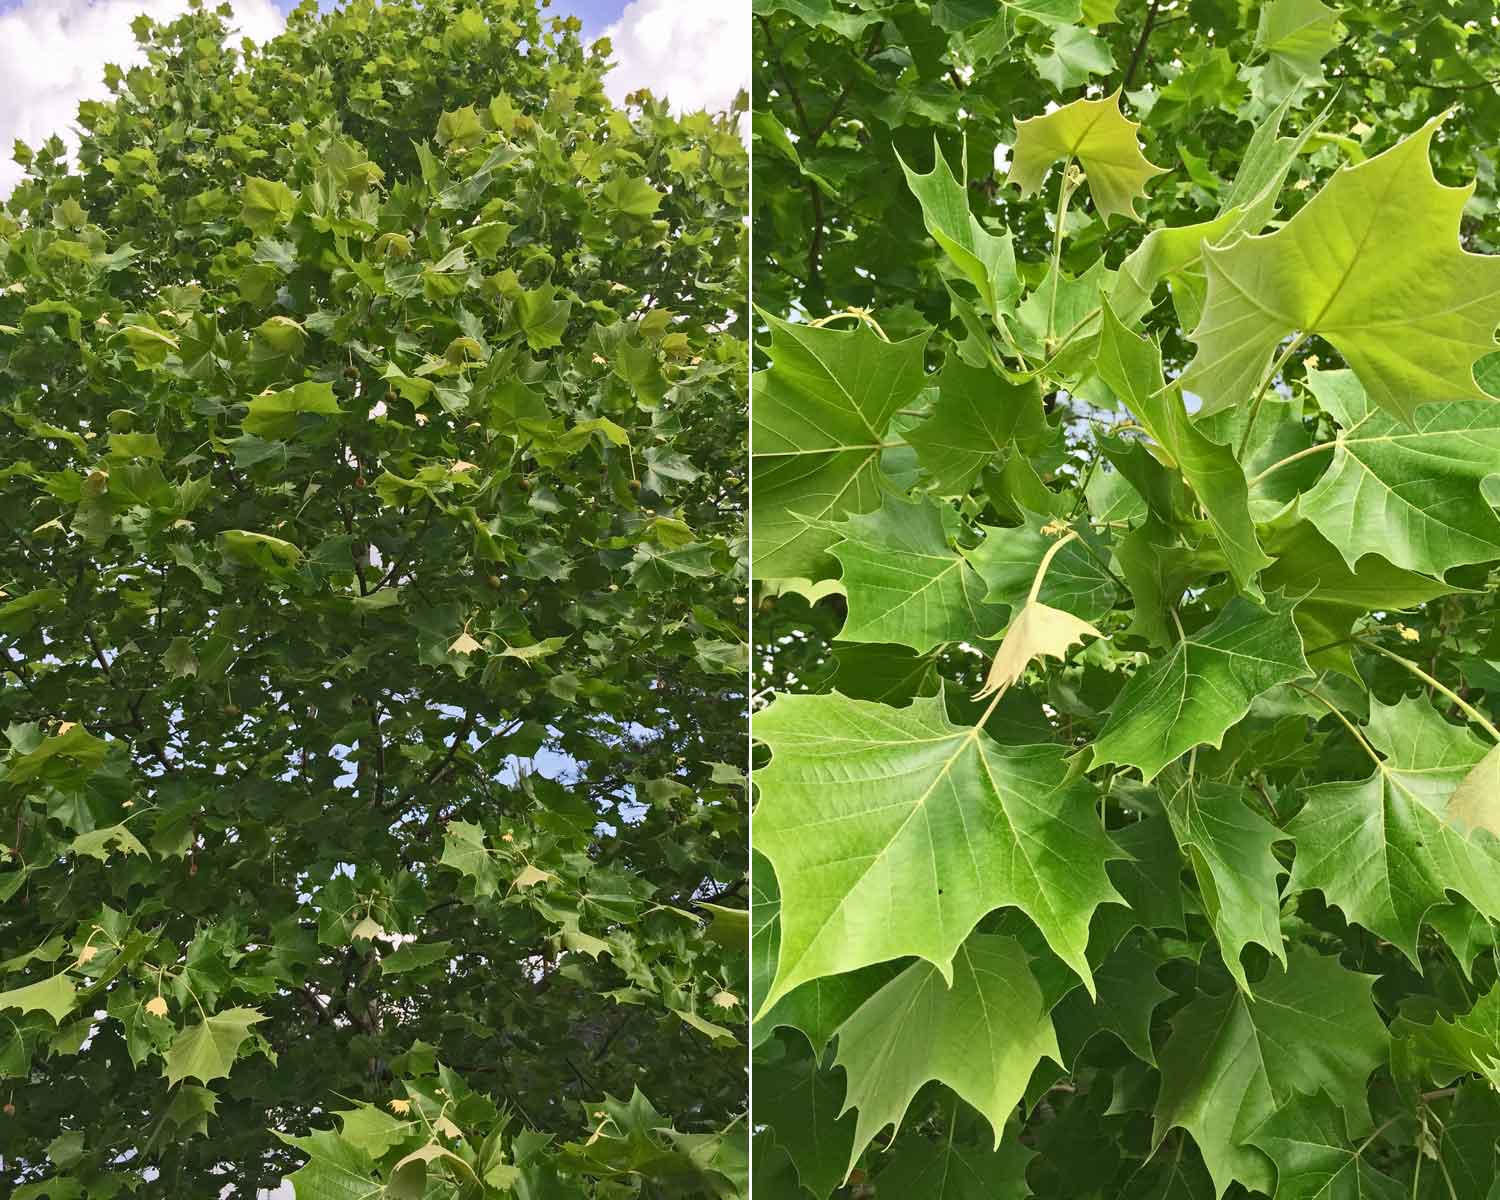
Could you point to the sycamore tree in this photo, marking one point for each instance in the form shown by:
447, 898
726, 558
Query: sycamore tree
371, 430
1126, 441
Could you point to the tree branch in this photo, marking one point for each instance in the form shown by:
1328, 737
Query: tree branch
1140, 46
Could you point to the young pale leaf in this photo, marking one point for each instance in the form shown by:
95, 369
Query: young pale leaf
1036, 631
1373, 265
1308, 1140
1131, 366
907, 584
1203, 686
1232, 1061
919, 1028
820, 414
1229, 849
1411, 492
892, 831
1097, 134
1385, 850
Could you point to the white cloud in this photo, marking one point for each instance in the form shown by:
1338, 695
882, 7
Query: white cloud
53, 52
696, 53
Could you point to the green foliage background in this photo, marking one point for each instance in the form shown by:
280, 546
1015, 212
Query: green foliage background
1199, 508
371, 441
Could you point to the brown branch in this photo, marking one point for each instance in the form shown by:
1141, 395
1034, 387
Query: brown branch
458, 739
1140, 46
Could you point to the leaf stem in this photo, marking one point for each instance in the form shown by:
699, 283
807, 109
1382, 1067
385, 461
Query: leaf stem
1348, 724
860, 314
1065, 190
1260, 393
1291, 458
1468, 709
1041, 570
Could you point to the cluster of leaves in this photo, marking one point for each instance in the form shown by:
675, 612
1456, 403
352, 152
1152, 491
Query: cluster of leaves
1125, 549
371, 413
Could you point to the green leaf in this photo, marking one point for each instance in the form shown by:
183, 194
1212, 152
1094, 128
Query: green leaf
923, 826
266, 204
372, 1129
261, 550
1191, 696
54, 996
21, 615
1441, 1051
1294, 35
1372, 264
1308, 1140
1231, 1061
631, 196
97, 843
537, 650
1131, 366
335, 1169
1333, 597
977, 415
465, 851
922, 1026
206, 1051
1475, 803
460, 129
1076, 54
819, 418
542, 315
805, 1106
1467, 1142
947, 1171
1097, 134
1383, 850
985, 259
414, 955
1129, 994
1229, 849
907, 583
1411, 492
279, 415
1077, 580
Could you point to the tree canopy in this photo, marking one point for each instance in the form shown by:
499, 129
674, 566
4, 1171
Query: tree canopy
1124, 449
371, 441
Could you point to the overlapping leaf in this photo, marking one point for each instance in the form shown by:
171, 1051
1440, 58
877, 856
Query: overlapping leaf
982, 1033
821, 413
1231, 1061
1383, 849
892, 831
1373, 265
1193, 694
